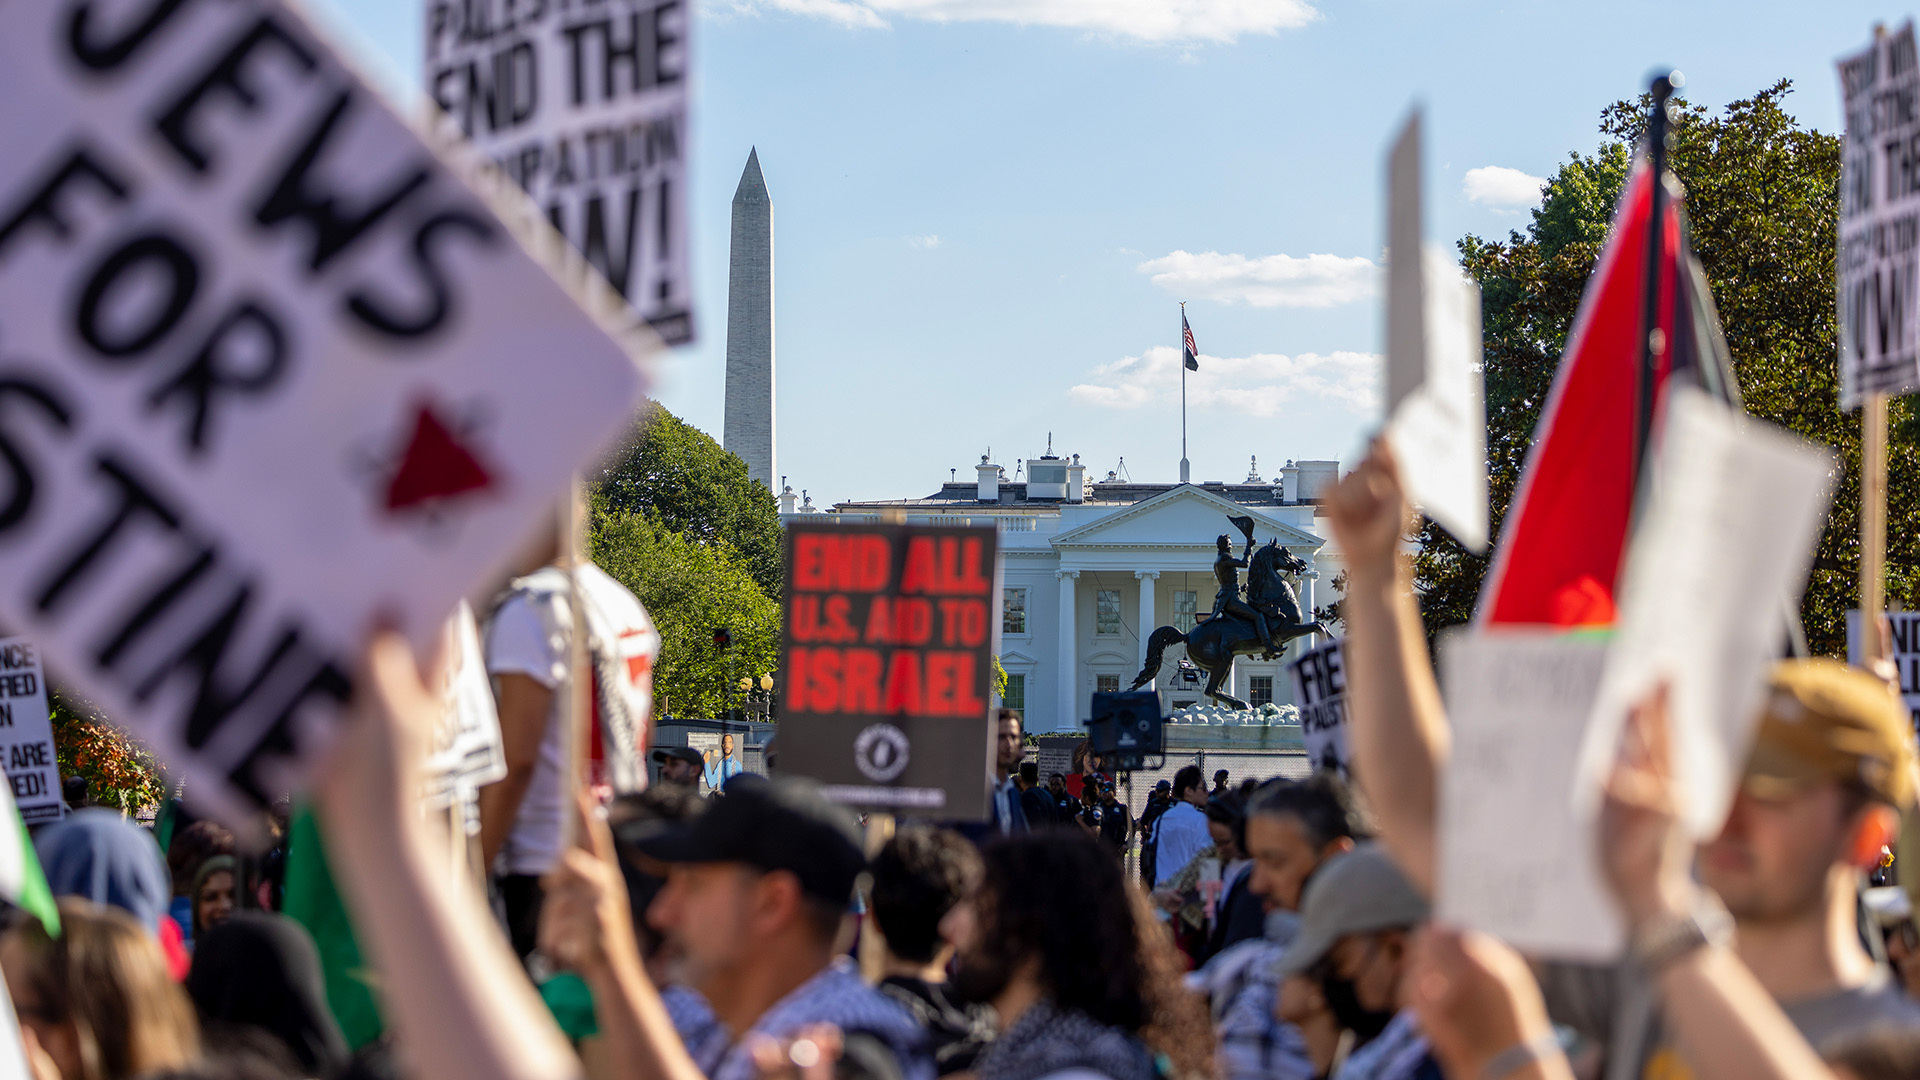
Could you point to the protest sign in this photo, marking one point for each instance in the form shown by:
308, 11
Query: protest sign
1737, 505
888, 646
1061, 754
1905, 643
1879, 245
1515, 860
585, 107
465, 753
274, 372
1436, 419
26, 732
1320, 693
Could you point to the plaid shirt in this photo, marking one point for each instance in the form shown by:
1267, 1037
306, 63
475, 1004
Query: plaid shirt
835, 996
1251, 1043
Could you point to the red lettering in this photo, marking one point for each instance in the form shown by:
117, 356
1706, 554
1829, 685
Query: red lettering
826, 681
796, 679
917, 627
810, 561
873, 563
973, 622
823, 562
860, 688
940, 686
839, 620
975, 575
879, 625
966, 701
919, 574
804, 616
903, 684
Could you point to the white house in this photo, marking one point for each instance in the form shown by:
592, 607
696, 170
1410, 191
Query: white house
1090, 569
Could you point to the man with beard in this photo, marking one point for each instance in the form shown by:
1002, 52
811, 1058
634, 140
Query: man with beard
1357, 919
919, 876
1052, 939
756, 895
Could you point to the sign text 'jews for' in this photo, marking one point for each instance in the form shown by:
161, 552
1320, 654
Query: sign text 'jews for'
1879, 256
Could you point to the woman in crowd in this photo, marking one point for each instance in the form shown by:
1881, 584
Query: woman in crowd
213, 893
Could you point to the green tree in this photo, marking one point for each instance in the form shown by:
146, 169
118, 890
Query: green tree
120, 772
1762, 202
690, 588
686, 483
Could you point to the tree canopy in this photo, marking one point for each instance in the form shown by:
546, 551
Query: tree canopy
1762, 201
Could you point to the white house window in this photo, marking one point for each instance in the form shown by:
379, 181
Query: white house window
1184, 603
1106, 684
1016, 695
1106, 612
1013, 611
1260, 690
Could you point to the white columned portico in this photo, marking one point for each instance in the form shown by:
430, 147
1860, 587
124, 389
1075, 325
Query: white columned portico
1306, 600
1069, 716
1148, 622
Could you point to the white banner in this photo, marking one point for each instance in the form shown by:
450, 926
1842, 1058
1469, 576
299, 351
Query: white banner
272, 373
1879, 253
1320, 692
585, 107
26, 732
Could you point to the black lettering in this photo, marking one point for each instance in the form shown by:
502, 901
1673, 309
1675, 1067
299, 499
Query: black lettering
328, 682
21, 489
43, 206
96, 55
143, 617
181, 275
6, 714
439, 302
227, 74
335, 226
614, 263
25, 684
226, 365
135, 501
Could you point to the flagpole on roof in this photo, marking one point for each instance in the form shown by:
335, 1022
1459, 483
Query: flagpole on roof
1183, 392
1653, 344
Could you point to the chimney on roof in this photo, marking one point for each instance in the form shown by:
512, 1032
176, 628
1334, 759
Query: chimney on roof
786, 496
1290, 483
806, 506
989, 481
1076, 481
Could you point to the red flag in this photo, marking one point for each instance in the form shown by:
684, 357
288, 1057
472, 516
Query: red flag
1563, 538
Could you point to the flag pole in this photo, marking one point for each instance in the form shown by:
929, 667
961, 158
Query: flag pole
1184, 472
1653, 345
1873, 509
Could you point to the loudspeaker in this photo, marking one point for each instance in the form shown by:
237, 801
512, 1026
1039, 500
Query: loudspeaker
1126, 729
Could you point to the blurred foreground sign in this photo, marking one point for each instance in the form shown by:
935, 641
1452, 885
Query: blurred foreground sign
1879, 254
888, 653
584, 106
1904, 637
1320, 693
26, 733
270, 372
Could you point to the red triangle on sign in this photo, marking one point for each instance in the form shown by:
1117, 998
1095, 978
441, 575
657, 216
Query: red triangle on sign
435, 466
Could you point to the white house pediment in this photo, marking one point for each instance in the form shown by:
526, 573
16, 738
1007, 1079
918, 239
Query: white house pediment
1014, 656
1185, 515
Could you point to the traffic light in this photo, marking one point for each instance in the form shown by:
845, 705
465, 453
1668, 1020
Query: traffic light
722, 637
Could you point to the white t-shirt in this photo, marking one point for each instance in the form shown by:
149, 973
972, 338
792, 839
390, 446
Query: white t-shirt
1182, 835
529, 635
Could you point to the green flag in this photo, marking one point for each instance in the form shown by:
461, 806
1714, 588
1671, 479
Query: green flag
313, 902
22, 883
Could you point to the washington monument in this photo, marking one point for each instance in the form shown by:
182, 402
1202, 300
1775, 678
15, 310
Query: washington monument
749, 421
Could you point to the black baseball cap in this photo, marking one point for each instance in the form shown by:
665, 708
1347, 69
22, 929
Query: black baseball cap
681, 753
781, 824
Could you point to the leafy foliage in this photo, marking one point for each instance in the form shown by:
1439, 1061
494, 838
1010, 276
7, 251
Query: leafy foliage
1762, 203
686, 483
120, 772
690, 587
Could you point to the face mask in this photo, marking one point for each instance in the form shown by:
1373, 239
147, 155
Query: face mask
1344, 1002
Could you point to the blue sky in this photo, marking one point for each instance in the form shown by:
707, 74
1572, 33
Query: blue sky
987, 211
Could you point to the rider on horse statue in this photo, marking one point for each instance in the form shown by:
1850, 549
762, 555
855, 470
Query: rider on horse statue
1227, 601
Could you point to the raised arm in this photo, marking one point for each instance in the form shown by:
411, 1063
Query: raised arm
460, 1003
1396, 724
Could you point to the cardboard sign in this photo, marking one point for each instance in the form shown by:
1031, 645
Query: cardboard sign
1879, 253
1904, 637
1320, 692
272, 373
585, 107
888, 653
1436, 416
26, 733
1515, 860
1736, 509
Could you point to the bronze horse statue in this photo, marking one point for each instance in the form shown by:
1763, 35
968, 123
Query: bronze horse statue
1213, 644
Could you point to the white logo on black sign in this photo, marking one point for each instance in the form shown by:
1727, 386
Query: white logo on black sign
881, 752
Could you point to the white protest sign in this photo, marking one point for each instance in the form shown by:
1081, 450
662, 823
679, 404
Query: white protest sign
1737, 506
585, 107
1436, 417
26, 732
1904, 637
273, 373
1515, 860
1320, 692
466, 753
1879, 247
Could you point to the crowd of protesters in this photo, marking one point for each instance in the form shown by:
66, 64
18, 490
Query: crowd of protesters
1275, 931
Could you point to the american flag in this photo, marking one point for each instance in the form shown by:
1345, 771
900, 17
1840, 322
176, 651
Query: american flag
1192, 350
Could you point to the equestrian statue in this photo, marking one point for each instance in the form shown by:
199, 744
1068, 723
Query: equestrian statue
1261, 623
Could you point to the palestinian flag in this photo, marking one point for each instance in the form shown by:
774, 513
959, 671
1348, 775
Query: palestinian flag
22, 883
1565, 534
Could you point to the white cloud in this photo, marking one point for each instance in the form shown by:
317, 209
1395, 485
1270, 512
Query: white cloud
931, 240
1502, 188
1143, 20
1261, 385
1316, 281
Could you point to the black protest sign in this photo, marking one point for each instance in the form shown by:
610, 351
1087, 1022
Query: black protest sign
1879, 252
267, 376
888, 654
585, 107
1320, 693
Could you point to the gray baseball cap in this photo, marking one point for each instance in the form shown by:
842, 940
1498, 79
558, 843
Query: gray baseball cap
1355, 893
